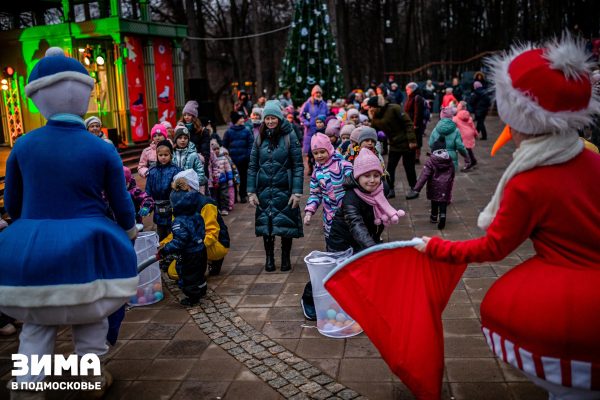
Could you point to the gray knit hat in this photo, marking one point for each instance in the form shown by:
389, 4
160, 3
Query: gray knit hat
366, 133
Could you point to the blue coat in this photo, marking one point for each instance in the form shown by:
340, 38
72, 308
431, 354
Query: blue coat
239, 141
158, 186
55, 178
188, 225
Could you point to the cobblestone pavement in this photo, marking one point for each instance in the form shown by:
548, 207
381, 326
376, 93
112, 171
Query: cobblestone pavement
248, 339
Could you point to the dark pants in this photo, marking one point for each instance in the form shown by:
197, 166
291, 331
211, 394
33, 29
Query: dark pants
191, 272
221, 196
472, 159
438, 207
408, 161
242, 167
163, 231
481, 125
419, 132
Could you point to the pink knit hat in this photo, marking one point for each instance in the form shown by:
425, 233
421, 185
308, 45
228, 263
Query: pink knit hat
333, 127
158, 129
191, 107
355, 134
316, 89
366, 161
320, 141
347, 129
448, 112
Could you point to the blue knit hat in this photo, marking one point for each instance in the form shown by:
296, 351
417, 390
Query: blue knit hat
55, 76
273, 108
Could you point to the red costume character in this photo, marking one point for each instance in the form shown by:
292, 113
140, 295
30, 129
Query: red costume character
543, 316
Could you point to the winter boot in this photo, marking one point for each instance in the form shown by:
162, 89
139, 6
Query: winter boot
433, 219
286, 248
270, 250
442, 223
214, 267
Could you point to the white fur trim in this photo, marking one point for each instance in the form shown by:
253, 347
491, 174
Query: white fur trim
549, 149
45, 81
569, 56
67, 295
522, 112
55, 52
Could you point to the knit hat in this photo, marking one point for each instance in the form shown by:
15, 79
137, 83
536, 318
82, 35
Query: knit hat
355, 134
320, 141
316, 89
235, 117
167, 124
272, 108
165, 143
367, 133
214, 144
55, 76
191, 178
545, 89
191, 107
158, 129
448, 112
376, 101
259, 111
477, 85
351, 112
333, 127
366, 161
91, 120
347, 130
181, 130
321, 118
413, 86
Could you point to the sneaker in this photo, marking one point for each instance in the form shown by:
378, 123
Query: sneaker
224, 212
391, 195
433, 219
411, 195
308, 310
442, 223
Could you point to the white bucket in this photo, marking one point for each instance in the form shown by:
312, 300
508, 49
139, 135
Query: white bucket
332, 320
149, 290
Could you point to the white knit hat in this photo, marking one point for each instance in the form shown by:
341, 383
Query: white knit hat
190, 176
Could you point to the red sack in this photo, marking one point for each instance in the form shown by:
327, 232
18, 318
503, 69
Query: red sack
397, 295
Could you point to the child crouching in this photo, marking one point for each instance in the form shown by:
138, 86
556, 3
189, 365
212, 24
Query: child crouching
188, 237
438, 173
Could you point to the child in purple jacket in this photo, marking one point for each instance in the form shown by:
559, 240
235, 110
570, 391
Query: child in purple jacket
141, 200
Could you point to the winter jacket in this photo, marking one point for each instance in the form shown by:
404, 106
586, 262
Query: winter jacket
239, 140
216, 236
147, 160
467, 130
187, 158
202, 142
139, 197
447, 99
221, 171
353, 224
309, 112
438, 173
188, 225
275, 173
158, 186
326, 186
446, 128
397, 126
479, 102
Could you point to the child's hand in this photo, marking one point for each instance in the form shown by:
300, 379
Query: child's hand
307, 217
422, 247
144, 211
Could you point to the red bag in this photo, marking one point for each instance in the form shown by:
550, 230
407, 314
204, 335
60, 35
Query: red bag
397, 295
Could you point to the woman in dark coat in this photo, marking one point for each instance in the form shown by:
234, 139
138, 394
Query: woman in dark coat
275, 180
480, 104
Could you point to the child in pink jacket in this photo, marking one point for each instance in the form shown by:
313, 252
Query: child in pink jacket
468, 133
148, 157
221, 176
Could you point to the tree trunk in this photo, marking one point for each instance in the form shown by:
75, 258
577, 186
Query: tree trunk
256, 48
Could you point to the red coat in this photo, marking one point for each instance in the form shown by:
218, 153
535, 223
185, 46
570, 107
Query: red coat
549, 305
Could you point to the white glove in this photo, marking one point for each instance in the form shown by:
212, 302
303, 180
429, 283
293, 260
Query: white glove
295, 200
307, 217
253, 199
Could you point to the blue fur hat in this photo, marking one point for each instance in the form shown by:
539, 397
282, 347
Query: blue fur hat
59, 84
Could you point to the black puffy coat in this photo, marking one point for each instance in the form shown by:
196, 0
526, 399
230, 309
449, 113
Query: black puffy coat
275, 173
438, 173
202, 141
353, 224
480, 102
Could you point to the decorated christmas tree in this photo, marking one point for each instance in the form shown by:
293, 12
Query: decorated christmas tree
311, 54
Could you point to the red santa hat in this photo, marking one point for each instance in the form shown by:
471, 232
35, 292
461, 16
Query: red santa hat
545, 89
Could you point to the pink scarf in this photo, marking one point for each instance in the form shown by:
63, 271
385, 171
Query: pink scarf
384, 212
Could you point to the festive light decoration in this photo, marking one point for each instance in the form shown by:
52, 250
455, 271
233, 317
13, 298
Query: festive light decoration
311, 54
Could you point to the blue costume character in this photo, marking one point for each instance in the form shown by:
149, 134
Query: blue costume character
62, 261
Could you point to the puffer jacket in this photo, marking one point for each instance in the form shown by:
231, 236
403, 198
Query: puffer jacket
467, 130
397, 126
353, 224
446, 128
275, 173
238, 140
188, 159
221, 171
147, 160
188, 225
138, 196
158, 186
438, 173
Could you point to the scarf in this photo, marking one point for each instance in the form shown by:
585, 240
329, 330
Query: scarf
551, 149
384, 212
